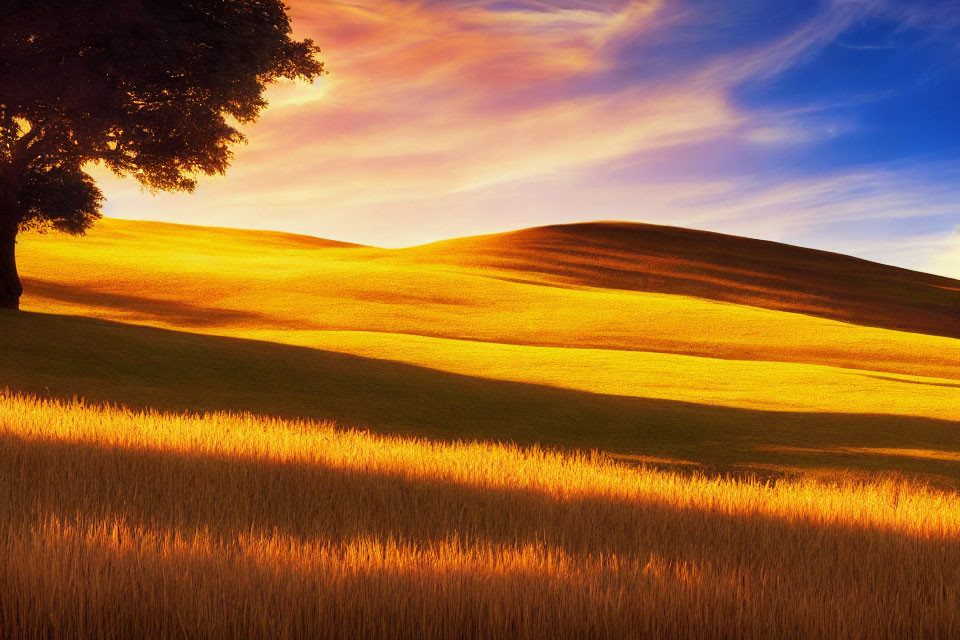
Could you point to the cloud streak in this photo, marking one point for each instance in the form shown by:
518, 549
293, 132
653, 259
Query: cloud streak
450, 117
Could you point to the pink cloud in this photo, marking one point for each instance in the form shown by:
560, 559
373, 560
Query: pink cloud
426, 99
456, 117
429, 99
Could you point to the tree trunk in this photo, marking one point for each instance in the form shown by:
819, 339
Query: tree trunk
10, 287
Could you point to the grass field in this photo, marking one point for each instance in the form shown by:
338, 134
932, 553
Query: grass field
582, 431
421, 341
237, 526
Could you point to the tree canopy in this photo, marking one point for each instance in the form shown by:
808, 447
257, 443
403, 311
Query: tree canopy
153, 89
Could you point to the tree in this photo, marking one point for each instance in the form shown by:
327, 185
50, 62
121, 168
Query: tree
154, 89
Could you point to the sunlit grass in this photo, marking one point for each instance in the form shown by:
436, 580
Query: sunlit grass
493, 346
751, 384
150, 368
225, 525
297, 290
478, 464
454, 517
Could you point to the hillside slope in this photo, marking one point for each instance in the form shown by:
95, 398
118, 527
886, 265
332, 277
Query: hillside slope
147, 368
643, 257
308, 292
435, 341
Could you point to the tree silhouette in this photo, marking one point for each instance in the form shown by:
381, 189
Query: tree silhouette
153, 89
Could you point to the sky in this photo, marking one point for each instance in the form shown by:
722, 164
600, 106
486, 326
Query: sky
832, 124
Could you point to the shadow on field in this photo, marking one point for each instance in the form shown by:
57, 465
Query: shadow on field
640, 257
141, 367
808, 573
167, 310
923, 382
227, 497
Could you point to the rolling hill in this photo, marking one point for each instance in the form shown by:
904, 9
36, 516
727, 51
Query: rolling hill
653, 258
220, 433
659, 344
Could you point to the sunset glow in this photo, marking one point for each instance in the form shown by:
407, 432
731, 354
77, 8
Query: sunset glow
480, 319
831, 125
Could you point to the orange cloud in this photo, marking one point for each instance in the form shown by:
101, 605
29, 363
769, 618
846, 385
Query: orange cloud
449, 117
430, 98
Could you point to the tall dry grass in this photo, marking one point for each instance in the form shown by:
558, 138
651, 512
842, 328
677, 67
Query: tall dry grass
119, 524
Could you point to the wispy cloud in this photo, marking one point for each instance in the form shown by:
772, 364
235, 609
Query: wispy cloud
449, 117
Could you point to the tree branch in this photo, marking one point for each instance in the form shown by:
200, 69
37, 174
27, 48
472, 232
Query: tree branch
24, 149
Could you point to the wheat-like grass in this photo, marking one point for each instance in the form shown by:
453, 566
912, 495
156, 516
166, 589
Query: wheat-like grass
115, 523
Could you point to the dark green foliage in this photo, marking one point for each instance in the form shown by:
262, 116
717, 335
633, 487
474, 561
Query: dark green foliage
146, 86
63, 198
153, 89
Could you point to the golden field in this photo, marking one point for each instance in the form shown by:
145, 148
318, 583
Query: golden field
597, 430
535, 337
120, 524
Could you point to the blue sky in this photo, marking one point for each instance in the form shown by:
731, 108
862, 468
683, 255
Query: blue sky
831, 124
